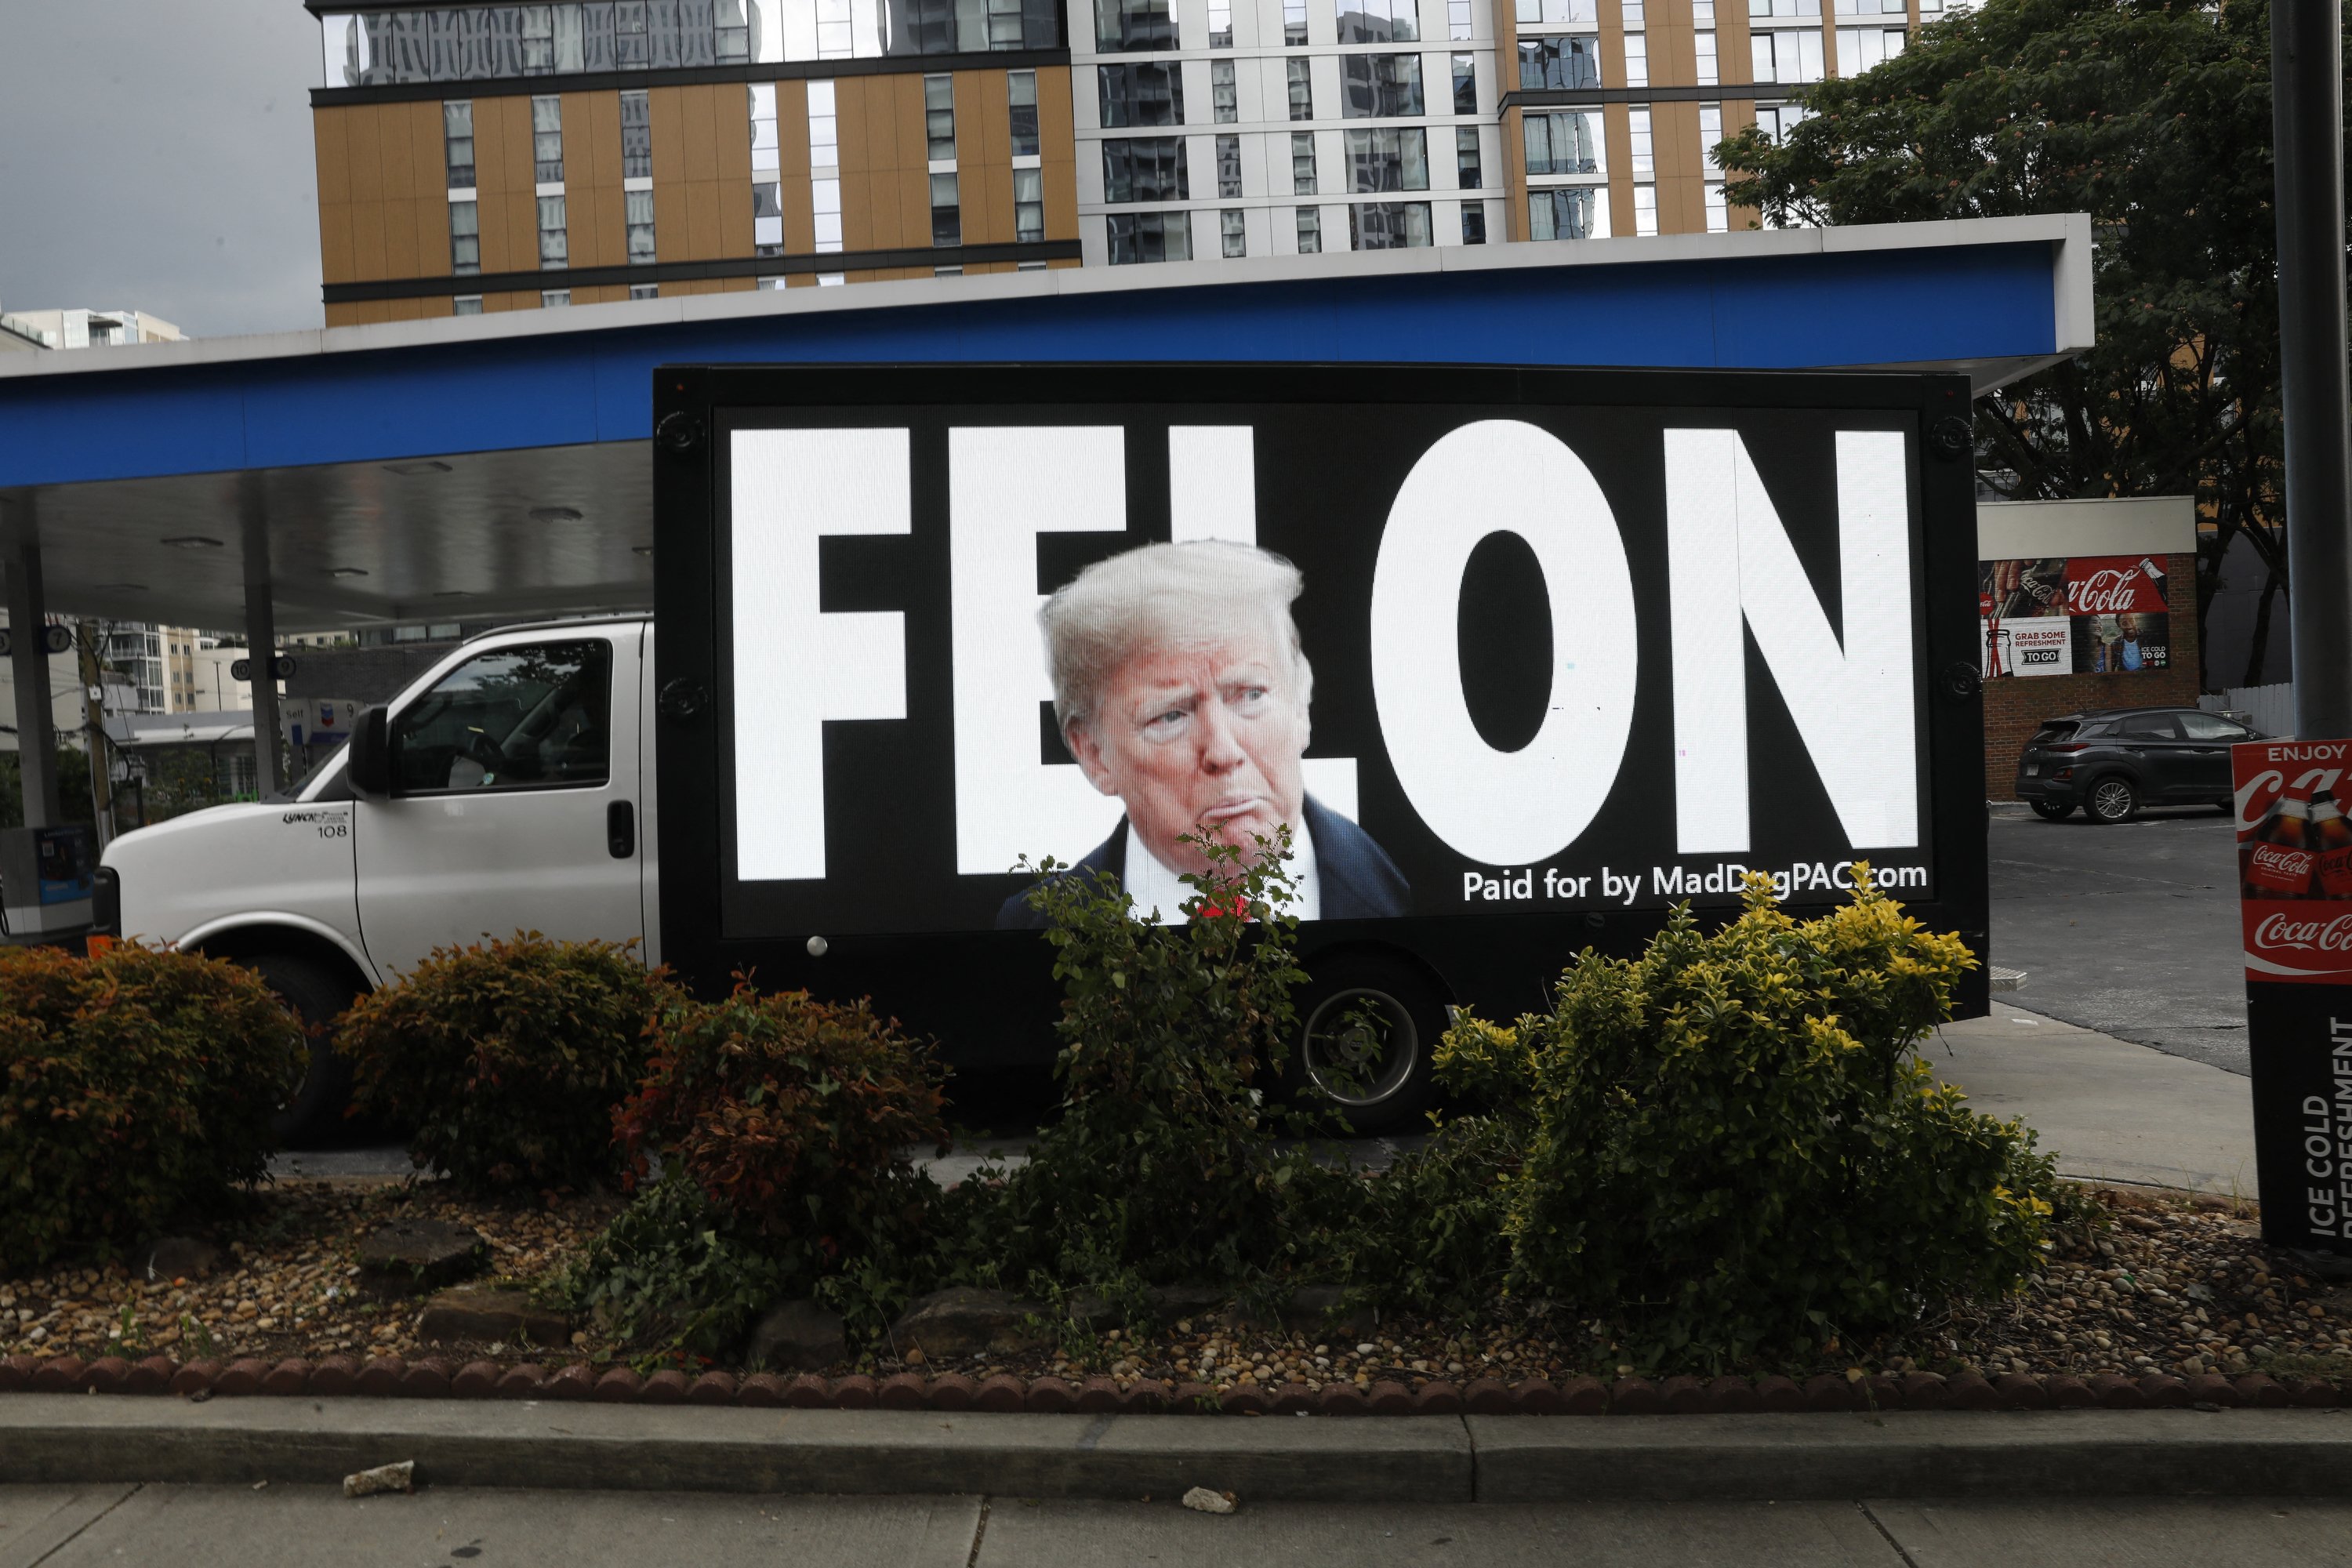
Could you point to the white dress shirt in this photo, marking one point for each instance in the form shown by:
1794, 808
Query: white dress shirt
1153, 886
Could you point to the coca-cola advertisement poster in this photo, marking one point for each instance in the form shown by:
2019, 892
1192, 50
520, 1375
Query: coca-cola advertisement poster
2295, 884
2081, 614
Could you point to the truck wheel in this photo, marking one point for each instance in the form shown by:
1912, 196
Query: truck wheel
1367, 1033
311, 1116
2112, 799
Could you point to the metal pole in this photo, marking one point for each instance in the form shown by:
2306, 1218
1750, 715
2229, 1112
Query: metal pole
29, 662
2307, 133
261, 646
102, 765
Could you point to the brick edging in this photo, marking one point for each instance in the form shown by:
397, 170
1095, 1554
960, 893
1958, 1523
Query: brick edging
432, 1377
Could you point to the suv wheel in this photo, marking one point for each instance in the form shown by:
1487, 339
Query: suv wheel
1368, 1031
2051, 810
2113, 799
311, 1115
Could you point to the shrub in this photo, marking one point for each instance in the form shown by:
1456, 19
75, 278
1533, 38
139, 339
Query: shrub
508, 1057
789, 1117
673, 1272
1734, 1149
136, 1088
1162, 1167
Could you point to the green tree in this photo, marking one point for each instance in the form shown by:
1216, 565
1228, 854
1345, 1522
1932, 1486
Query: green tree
2153, 115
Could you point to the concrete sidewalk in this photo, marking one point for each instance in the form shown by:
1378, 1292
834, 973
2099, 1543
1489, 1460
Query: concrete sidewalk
298, 1527
2110, 1110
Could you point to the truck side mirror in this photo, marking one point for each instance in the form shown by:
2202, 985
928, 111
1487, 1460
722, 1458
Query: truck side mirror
369, 764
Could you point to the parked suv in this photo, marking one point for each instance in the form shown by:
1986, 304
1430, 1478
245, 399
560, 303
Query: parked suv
2113, 760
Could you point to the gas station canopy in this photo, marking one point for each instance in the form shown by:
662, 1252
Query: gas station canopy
482, 466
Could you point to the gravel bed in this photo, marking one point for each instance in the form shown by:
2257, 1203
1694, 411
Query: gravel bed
2167, 1284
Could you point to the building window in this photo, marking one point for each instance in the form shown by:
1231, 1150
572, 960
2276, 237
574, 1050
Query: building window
637, 134
1459, 26
1558, 62
1533, 14
1645, 209
1468, 174
539, 39
1881, 8
1224, 101
548, 299
1637, 122
1221, 24
1567, 212
464, 237
1028, 206
824, 137
1633, 14
1020, 93
1149, 236
1388, 226
1293, 23
1767, 9
733, 40
1778, 120
832, 30
1381, 86
637, 208
644, 290
1378, 22
547, 140
939, 118
1230, 232
1860, 48
1793, 55
466, 305
1302, 91
1145, 168
1134, 25
457, 143
1390, 158
1229, 167
946, 227
1142, 95
1311, 231
1465, 84
1473, 223
767, 217
1302, 164
1709, 68
947, 271
554, 246
1566, 143
632, 44
1637, 59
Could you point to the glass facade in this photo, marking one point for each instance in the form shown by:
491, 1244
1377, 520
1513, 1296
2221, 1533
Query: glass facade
482, 43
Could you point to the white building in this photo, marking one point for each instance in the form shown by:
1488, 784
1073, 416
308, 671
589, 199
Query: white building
84, 329
1224, 127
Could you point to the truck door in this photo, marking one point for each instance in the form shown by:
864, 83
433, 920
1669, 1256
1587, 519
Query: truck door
513, 805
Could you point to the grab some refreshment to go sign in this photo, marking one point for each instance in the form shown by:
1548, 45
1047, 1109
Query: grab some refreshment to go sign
2294, 886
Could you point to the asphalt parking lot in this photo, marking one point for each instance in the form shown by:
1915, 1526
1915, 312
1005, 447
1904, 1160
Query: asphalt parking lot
2131, 930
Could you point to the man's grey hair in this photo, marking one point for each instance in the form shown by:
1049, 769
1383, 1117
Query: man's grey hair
1187, 595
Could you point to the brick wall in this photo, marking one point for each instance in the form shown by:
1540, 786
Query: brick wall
2014, 707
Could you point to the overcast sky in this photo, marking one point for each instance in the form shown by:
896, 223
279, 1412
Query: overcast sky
155, 155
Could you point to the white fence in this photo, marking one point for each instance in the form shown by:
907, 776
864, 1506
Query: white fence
2271, 708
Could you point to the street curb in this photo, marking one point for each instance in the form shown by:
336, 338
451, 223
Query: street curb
435, 1377
67, 1440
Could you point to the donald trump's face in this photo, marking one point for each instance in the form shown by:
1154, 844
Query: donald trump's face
1198, 738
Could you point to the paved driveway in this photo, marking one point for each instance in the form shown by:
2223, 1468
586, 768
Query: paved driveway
2131, 930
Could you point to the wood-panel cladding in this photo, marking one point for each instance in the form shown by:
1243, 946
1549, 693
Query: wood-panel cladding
703, 171
886, 198
1058, 150
382, 197
594, 209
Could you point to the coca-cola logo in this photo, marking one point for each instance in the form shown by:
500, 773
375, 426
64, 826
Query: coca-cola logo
2290, 862
2280, 930
2104, 593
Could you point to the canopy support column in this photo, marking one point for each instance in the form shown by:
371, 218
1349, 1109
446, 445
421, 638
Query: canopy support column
261, 646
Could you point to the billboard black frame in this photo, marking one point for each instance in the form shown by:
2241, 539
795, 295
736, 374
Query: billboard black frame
989, 994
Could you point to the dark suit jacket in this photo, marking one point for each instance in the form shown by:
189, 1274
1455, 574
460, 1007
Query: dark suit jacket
1355, 875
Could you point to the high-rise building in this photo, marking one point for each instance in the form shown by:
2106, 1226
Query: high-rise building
494, 157
84, 329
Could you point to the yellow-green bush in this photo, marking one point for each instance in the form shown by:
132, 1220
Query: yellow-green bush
136, 1088
1733, 1149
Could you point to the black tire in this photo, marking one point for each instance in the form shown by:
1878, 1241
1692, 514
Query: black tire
1367, 1031
2051, 810
2112, 799
312, 1114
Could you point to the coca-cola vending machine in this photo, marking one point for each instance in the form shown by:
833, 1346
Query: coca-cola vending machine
2295, 887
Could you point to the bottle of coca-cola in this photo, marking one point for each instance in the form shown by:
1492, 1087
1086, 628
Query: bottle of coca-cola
2331, 847
2276, 861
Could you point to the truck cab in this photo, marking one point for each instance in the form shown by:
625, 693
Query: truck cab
520, 799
